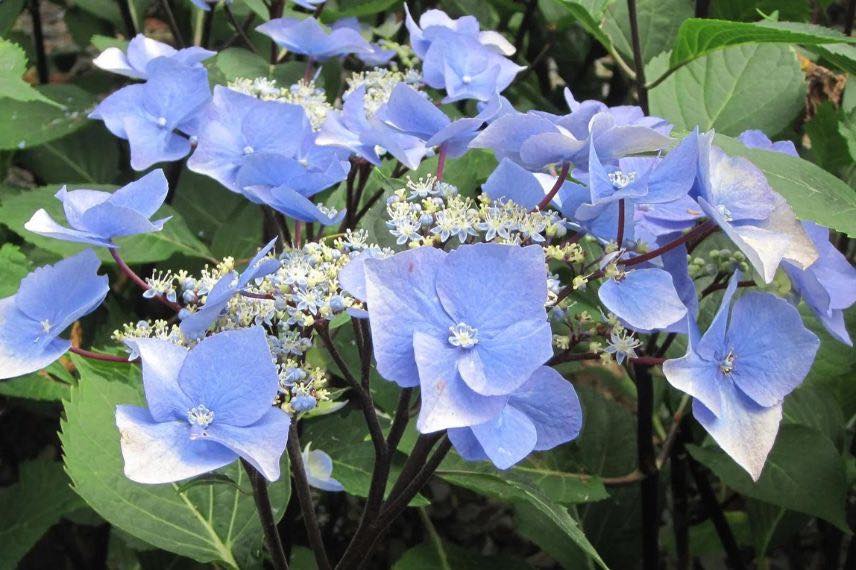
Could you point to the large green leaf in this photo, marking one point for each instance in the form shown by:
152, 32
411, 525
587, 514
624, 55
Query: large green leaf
209, 523
587, 13
29, 124
697, 37
441, 555
31, 506
176, 237
813, 193
658, 24
758, 86
804, 472
13, 64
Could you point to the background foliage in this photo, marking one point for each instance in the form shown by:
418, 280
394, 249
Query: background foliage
781, 66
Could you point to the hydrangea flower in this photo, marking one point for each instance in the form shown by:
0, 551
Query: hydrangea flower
194, 324
366, 136
309, 37
48, 301
409, 112
439, 321
511, 181
158, 117
457, 57
98, 217
141, 51
319, 470
542, 413
421, 35
537, 139
207, 406
235, 126
735, 194
828, 286
286, 184
739, 372
377, 55
757, 139
645, 299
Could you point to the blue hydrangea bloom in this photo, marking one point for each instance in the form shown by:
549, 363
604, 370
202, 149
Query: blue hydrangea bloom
319, 470
645, 299
48, 301
410, 112
537, 139
828, 286
98, 217
741, 369
235, 126
735, 194
457, 57
511, 181
377, 56
541, 414
207, 406
309, 37
757, 139
158, 117
286, 184
352, 129
439, 321
142, 50
308, 4
195, 324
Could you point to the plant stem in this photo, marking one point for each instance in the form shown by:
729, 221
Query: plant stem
304, 498
127, 18
441, 162
620, 235
638, 63
680, 503
260, 494
647, 462
172, 23
555, 189
39, 42
275, 11
139, 281
524, 24
207, 26
699, 231
238, 28
701, 8
98, 355
399, 421
713, 509
850, 17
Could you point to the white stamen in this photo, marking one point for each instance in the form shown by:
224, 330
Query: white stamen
463, 335
200, 416
621, 180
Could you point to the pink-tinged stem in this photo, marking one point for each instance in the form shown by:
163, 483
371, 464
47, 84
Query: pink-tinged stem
700, 230
441, 162
98, 355
298, 233
310, 68
648, 360
141, 283
555, 189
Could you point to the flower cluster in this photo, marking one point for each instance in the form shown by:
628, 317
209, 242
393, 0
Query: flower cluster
580, 240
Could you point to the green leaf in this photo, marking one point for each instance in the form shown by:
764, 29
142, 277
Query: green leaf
208, 524
658, 25
559, 516
28, 124
441, 555
804, 472
358, 8
829, 148
50, 385
31, 506
813, 193
9, 12
588, 14
763, 520
15, 266
71, 158
562, 487
758, 86
239, 62
698, 37
175, 238
815, 408
13, 64
533, 525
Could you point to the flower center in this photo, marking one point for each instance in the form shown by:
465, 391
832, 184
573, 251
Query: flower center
463, 335
621, 180
161, 121
467, 79
200, 416
249, 150
727, 364
46, 325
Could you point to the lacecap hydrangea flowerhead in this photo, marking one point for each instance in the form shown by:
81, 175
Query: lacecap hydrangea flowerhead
488, 291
